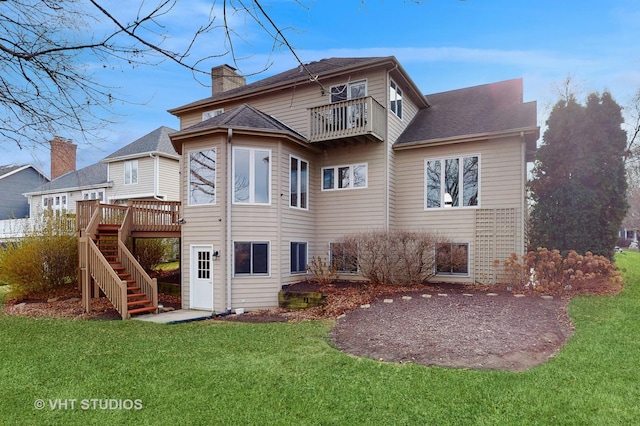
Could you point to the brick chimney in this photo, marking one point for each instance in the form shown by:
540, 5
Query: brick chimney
225, 78
63, 156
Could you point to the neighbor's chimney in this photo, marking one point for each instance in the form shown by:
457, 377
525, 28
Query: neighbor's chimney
63, 156
225, 78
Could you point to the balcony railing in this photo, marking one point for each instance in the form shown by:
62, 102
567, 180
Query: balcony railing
347, 119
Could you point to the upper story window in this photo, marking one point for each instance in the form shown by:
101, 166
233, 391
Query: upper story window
343, 92
452, 182
299, 183
251, 176
354, 114
213, 113
131, 172
344, 177
395, 99
95, 194
202, 177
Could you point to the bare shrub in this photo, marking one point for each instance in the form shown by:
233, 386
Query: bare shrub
396, 257
322, 270
150, 252
45, 258
548, 271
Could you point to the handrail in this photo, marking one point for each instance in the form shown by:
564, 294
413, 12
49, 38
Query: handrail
92, 225
148, 285
353, 117
155, 215
107, 279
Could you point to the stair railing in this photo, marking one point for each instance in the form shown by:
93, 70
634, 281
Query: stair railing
148, 285
107, 279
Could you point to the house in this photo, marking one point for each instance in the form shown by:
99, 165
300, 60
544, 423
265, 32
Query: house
277, 171
145, 169
14, 181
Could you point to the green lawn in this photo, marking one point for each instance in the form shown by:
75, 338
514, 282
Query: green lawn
225, 373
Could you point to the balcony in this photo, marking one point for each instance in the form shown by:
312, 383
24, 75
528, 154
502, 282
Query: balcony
353, 121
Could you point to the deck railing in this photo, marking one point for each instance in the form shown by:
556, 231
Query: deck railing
355, 117
155, 216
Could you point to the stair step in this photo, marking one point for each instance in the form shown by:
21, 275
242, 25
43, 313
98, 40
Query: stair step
134, 289
139, 302
132, 295
123, 275
142, 310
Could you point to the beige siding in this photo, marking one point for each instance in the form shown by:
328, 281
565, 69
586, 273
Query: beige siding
169, 178
146, 179
501, 186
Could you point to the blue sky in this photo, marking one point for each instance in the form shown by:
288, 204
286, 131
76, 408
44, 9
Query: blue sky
442, 44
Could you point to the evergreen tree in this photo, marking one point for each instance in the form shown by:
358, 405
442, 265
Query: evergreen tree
579, 184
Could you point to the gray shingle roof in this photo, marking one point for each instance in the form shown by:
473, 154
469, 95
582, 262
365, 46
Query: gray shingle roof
96, 174
489, 108
157, 141
317, 68
8, 169
244, 117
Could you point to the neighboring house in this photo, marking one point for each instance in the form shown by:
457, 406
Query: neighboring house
14, 182
145, 169
276, 172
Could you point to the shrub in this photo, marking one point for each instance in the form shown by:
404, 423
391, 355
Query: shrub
548, 271
46, 258
322, 270
150, 252
395, 257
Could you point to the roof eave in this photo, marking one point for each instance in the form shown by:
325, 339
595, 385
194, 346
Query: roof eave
468, 138
139, 155
70, 189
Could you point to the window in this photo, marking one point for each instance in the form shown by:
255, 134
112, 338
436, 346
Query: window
131, 172
202, 177
54, 202
452, 182
452, 259
395, 99
251, 176
203, 269
299, 183
251, 258
298, 258
93, 195
355, 113
344, 257
210, 114
344, 177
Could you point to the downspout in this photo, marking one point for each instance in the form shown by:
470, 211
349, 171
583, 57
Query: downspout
156, 176
524, 213
387, 156
229, 255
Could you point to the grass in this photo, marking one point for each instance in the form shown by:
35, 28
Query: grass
226, 373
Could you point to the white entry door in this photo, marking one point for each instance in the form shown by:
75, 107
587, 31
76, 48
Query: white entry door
202, 278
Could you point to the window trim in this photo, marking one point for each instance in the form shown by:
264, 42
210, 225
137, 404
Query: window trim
306, 256
131, 163
342, 271
443, 160
454, 274
212, 113
351, 176
397, 90
252, 151
299, 183
215, 177
86, 194
347, 86
251, 265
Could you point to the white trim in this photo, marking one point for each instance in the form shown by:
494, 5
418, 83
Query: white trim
252, 177
212, 113
460, 179
193, 273
297, 274
351, 177
132, 162
21, 168
215, 176
136, 196
453, 274
299, 183
251, 274
397, 88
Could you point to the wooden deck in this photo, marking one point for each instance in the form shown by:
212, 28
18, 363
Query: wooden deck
109, 265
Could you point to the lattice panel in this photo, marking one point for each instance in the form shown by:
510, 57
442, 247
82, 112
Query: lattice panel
496, 238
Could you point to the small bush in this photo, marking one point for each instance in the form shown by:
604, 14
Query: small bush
396, 257
322, 270
151, 252
548, 271
46, 258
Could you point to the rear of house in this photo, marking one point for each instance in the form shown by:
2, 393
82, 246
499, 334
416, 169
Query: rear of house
276, 172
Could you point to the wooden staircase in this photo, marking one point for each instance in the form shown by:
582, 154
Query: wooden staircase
106, 238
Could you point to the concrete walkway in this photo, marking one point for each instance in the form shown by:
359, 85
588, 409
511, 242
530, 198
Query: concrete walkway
175, 317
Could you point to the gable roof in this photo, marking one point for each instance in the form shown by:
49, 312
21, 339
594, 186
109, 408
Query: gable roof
156, 142
10, 169
91, 176
472, 112
322, 69
244, 118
